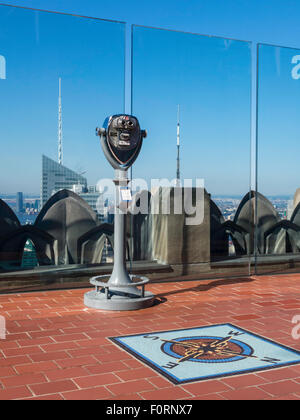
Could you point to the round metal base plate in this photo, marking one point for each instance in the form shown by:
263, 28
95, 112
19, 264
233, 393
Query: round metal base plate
117, 302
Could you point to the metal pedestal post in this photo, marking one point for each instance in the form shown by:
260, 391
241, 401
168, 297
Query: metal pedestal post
120, 291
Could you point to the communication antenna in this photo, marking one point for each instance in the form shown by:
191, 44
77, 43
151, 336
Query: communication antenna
178, 183
60, 133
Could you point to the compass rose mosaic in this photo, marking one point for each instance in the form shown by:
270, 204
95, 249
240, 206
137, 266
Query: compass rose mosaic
202, 353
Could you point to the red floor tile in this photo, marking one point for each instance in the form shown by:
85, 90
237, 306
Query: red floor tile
96, 380
15, 393
130, 387
281, 388
19, 380
250, 393
99, 393
53, 387
207, 387
170, 393
35, 367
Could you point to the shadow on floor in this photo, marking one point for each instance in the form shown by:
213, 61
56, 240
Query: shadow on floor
206, 287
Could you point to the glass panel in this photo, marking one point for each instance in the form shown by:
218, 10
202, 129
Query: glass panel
203, 86
278, 217
60, 76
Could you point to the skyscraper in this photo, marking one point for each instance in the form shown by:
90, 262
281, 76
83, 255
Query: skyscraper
56, 177
19, 203
94, 198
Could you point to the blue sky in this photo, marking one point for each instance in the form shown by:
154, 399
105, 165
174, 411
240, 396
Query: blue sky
210, 78
278, 120
275, 21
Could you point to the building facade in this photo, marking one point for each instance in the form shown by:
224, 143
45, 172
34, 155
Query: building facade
94, 198
20, 203
57, 177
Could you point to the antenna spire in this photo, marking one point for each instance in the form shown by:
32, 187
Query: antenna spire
60, 133
178, 183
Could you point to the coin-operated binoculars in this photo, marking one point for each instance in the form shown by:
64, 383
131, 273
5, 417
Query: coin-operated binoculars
121, 140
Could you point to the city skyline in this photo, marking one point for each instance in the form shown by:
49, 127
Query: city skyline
228, 205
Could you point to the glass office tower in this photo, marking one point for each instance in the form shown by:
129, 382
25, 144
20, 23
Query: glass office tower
57, 177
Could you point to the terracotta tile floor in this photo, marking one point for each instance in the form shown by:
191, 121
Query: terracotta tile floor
57, 349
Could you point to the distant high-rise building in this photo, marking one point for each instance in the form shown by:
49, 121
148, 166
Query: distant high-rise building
56, 177
94, 198
20, 203
36, 204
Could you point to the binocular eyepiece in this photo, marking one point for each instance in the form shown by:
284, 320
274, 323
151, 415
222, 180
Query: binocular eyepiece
123, 123
121, 140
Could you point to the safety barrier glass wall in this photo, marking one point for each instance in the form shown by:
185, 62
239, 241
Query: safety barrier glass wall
278, 146
193, 95
60, 76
